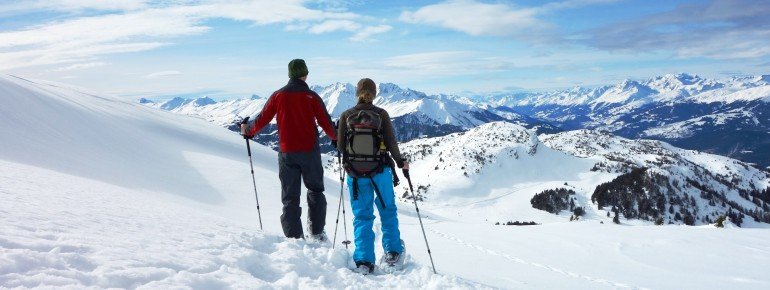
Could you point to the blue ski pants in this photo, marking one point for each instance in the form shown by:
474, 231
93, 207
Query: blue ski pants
363, 215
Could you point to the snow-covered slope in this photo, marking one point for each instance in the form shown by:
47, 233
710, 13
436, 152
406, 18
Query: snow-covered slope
692, 183
222, 113
99, 192
491, 161
65, 231
471, 164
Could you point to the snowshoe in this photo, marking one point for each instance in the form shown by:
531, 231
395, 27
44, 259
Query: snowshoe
364, 268
393, 261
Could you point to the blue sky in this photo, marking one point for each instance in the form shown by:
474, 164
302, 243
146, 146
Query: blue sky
237, 48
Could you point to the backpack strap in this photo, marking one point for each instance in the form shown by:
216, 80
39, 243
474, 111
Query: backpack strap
377, 190
355, 188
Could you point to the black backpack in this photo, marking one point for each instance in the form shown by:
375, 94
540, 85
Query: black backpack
365, 153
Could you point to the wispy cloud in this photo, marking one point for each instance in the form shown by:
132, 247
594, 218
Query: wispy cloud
72, 5
367, 32
445, 63
494, 19
162, 74
129, 29
476, 18
334, 25
362, 33
81, 66
720, 29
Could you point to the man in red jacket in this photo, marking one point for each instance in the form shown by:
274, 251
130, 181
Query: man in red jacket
297, 109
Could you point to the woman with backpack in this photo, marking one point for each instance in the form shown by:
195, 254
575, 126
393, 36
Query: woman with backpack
368, 145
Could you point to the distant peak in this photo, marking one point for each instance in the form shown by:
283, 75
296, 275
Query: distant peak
628, 83
388, 87
333, 86
204, 101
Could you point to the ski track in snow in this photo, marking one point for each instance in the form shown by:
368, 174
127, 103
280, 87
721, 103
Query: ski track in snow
533, 264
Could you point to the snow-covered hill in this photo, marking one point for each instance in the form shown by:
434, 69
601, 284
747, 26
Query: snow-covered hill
221, 113
490, 160
99, 192
679, 183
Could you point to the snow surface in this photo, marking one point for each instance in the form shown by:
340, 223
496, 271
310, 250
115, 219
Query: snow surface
78, 233
98, 193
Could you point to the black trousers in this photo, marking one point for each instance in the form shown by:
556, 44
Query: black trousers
293, 168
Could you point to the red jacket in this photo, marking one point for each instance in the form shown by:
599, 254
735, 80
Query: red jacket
298, 108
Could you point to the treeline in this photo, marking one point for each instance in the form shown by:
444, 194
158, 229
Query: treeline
517, 223
635, 194
554, 200
641, 194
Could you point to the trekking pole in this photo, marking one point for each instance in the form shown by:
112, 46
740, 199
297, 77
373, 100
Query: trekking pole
341, 205
414, 199
254, 181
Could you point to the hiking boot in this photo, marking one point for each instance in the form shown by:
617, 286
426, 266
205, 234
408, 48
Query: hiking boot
364, 268
391, 258
392, 261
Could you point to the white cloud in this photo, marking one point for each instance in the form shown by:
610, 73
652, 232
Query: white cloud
58, 54
161, 74
86, 38
572, 4
494, 19
68, 5
447, 63
367, 32
476, 18
81, 66
334, 25
72, 5
718, 29
105, 29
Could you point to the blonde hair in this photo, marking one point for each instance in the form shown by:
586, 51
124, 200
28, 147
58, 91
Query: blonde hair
365, 97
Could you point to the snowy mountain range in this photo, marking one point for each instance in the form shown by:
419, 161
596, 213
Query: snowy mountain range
99, 192
414, 114
727, 117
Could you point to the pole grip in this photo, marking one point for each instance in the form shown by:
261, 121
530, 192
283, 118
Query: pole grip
248, 147
408, 179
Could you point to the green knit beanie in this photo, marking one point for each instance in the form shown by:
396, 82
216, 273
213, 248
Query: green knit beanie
297, 68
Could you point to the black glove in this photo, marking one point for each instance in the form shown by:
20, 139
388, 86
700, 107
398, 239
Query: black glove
244, 122
333, 143
405, 172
